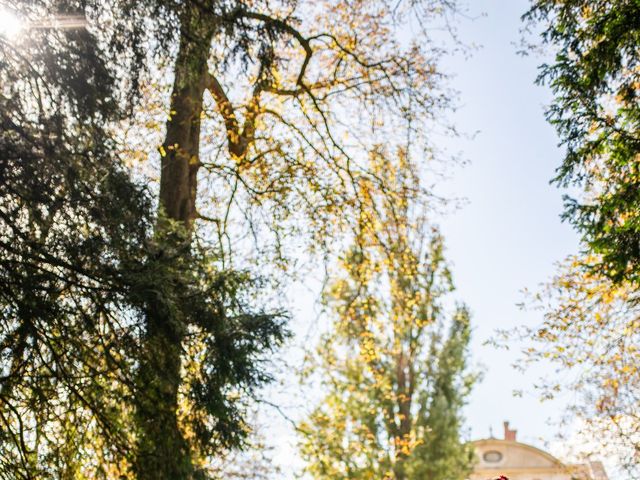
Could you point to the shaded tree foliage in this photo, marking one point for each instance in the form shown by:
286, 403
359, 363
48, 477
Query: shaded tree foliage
590, 324
71, 218
81, 270
595, 77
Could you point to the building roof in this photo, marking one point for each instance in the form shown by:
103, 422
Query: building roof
520, 461
514, 455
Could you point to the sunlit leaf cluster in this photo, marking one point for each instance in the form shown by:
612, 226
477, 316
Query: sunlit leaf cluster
394, 364
591, 336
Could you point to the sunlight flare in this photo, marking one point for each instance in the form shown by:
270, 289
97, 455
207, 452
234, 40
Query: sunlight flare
10, 24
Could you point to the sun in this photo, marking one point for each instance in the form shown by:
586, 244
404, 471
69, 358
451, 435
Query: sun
10, 24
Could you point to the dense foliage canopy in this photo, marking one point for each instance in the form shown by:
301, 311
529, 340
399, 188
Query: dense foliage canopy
80, 270
134, 320
595, 77
590, 327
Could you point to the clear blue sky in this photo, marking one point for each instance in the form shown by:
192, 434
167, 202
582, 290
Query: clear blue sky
510, 234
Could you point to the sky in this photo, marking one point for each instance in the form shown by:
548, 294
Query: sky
506, 238
509, 234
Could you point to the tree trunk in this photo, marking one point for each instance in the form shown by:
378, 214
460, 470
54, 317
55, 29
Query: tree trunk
404, 394
163, 452
181, 148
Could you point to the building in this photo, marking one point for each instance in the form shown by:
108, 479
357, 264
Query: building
519, 461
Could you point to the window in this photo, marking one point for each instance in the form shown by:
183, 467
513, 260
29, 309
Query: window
492, 456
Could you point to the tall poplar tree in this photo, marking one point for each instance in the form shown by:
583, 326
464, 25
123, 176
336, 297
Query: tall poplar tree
393, 366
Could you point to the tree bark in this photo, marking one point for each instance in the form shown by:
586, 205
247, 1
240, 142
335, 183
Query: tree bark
181, 148
403, 394
163, 453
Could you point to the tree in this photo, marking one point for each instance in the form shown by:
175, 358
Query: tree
589, 328
80, 270
395, 382
71, 222
259, 93
595, 77
590, 335
295, 68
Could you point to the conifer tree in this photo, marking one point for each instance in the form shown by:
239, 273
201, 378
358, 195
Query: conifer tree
594, 75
